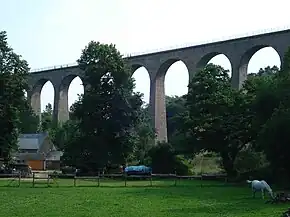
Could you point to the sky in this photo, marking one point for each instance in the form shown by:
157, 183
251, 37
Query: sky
54, 32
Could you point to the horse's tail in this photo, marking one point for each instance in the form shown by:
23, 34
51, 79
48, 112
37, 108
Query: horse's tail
248, 181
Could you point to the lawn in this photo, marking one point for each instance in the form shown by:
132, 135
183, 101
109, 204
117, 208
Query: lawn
188, 198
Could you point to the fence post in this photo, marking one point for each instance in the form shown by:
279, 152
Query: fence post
33, 177
175, 180
99, 179
75, 177
151, 179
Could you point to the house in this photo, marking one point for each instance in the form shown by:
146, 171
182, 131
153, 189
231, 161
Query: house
53, 160
36, 150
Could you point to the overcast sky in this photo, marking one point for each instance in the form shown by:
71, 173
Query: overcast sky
53, 32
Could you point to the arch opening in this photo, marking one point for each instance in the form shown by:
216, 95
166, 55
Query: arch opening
142, 82
217, 59
260, 57
75, 89
176, 79
47, 96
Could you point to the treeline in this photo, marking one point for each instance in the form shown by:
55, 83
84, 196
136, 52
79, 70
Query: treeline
245, 130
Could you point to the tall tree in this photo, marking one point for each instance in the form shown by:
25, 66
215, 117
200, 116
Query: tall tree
177, 113
13, 82
29, 122
219, 118
108, 111
144, 136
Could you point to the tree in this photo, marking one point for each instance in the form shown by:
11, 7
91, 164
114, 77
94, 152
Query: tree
63, 134
219, 118
108, 111
144, 136
265, 71
272, 109
274, 139
175, 107
176, 112
13, 82
46, 119
28, 121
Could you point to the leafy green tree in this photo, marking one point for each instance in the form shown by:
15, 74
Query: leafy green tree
13, 82
175, 108
63, 133
265, 71
274, 139
46, 119
177, 113
29, 122
219, 118
144, 136
107, 112
272, 106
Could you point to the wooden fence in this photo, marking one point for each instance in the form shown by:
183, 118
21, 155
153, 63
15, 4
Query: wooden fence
53, 177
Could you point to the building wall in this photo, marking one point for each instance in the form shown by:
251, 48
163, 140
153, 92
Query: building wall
36, 164
53, 165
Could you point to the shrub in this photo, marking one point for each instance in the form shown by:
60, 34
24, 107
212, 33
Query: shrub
249, 160
163, 159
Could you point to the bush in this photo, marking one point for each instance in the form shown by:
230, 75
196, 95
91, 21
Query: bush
249, 160
68, 170
182, 166
163, 159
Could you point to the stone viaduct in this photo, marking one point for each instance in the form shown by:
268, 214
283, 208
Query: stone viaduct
238, 51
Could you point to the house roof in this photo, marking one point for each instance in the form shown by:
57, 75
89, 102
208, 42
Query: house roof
31, 141
30, 156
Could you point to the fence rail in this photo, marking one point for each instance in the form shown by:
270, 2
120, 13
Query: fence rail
54, 177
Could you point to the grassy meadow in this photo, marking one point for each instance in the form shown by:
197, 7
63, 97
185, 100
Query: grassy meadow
187, 198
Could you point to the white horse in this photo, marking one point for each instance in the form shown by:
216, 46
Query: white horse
260, 186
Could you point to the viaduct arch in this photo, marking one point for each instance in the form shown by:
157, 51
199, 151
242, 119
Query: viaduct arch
239, 52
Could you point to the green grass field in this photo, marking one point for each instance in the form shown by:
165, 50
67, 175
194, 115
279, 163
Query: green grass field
188, 198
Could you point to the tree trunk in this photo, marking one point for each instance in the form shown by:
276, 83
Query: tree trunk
228, 164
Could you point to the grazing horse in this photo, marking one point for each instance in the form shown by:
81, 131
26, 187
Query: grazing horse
260, 186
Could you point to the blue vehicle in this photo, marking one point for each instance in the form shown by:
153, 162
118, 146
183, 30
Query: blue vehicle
138, 170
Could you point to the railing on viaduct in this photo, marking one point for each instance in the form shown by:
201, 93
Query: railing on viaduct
237, 36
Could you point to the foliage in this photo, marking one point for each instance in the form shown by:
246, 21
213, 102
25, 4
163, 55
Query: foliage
163, 159
205, 162
274, 139
144, 136
175, 107
249, 160
63, 133
13, 75
219, 116
176, 116
107, 113
28, 121
46, 119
